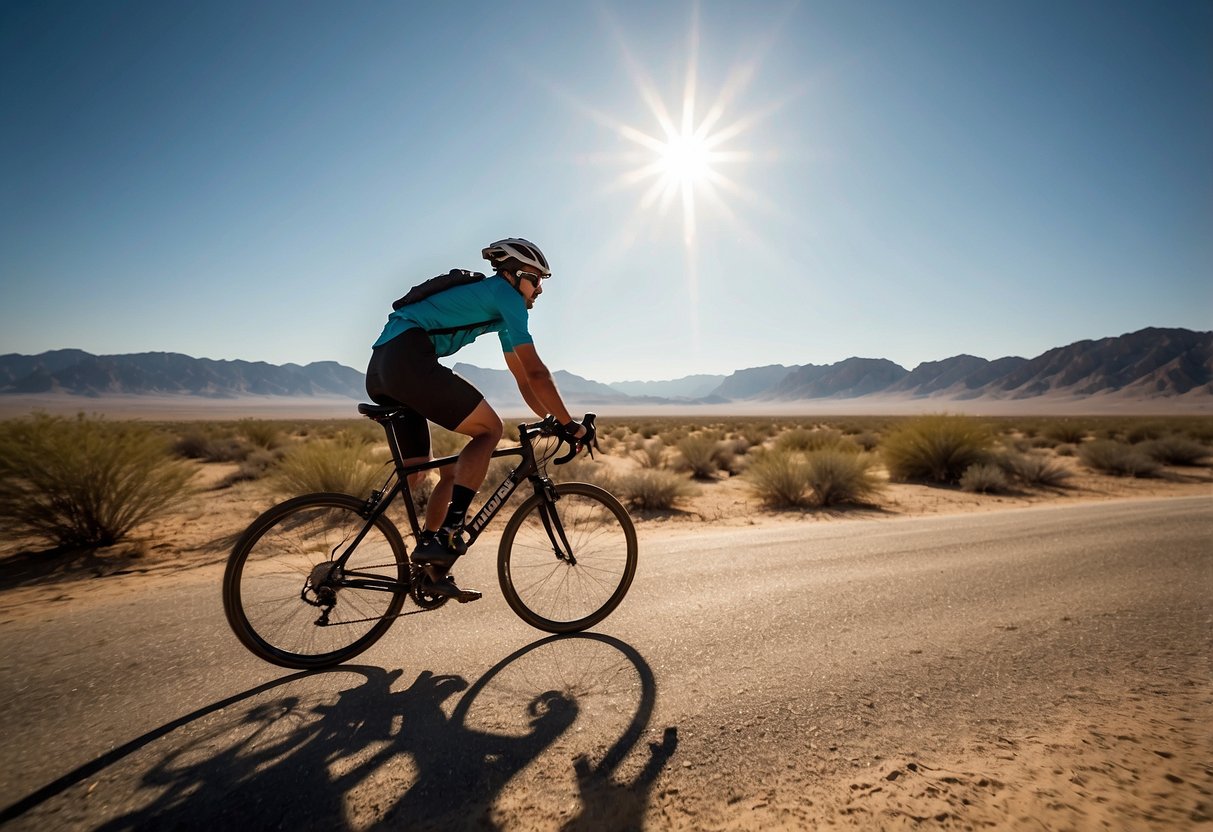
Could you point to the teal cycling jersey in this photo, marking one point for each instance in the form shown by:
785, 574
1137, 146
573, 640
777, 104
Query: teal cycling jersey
458, 316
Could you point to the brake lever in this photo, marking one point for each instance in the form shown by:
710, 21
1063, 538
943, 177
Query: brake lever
575, 446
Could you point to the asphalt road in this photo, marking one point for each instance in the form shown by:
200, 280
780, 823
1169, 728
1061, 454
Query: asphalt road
744, 662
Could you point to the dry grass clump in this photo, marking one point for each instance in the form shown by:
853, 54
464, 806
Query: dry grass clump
939, 448
649, 453
1117, 458
984, 478
780, 477
1065, 431
262, 434
1175, 450
85, 482
652, 489
580, 468
839, 476
700, 454
801, 439
791, 479
1035, 469
345, 465
256, 465
210, 445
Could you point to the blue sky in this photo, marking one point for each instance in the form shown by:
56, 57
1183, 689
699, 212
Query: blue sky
903, 180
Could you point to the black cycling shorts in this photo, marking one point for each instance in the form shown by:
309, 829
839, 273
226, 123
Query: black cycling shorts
405, 372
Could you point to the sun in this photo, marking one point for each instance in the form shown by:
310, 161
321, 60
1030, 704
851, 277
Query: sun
686, 159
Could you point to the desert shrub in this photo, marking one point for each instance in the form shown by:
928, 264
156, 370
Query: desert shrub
780, 477
984, 478
699, 454
1174, 450
650, 453
866, 440
1144, 431
938, 448
652, 489
211, 447
85, 482
345, 465
1065, 450
757, 434
580, 469
799, 439
257, 465
263, 434
1116, 458
1035, 469
1065, 431
1016, 444
836, 476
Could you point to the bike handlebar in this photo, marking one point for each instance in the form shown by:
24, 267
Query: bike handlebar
551, 427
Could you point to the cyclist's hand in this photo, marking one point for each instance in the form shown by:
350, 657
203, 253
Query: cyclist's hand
579, 435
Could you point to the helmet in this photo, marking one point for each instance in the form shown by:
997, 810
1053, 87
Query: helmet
517, 253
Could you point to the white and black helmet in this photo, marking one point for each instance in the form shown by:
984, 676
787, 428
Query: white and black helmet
516, 253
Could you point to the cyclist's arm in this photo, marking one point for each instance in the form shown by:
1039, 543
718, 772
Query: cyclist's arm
524, 386
534, 373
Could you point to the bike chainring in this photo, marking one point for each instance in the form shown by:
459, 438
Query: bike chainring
417, 581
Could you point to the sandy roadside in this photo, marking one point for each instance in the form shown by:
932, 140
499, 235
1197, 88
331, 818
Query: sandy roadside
1133, 753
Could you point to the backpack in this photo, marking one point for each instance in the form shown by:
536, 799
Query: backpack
453, 278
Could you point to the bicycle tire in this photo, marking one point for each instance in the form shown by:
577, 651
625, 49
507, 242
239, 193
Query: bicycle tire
540, 587
269, 573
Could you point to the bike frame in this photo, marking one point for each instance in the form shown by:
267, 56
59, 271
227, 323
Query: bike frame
527, 469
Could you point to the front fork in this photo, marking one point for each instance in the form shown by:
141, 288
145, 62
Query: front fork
561, 547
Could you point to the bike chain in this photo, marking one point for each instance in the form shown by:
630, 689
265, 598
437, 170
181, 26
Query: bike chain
397, 615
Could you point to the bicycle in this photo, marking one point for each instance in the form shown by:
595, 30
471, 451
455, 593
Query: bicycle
319, 578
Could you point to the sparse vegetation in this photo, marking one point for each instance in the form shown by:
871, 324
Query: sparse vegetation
85, 482
936, 448
345, 465
780, 477
837, 476
652, 489
984, 478
1175, 449
1117, 458
699, 454
1035, 469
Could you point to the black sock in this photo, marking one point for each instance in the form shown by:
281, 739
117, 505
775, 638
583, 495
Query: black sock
461, 498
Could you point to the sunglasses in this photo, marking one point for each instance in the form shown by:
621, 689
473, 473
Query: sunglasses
530, 276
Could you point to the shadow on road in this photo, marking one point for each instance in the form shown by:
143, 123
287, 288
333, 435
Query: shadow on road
440, 752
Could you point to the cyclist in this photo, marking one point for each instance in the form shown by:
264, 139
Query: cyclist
404, 371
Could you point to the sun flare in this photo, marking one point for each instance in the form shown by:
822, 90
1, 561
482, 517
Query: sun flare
686, 159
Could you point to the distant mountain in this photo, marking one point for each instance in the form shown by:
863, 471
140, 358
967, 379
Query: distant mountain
1148, 364
500, 388
687, 387
746, 384
961, 376
844, 380
164, 373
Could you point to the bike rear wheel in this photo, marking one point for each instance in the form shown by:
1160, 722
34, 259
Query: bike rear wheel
286, 603
546, 587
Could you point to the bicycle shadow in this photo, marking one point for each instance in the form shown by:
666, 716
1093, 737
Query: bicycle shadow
291, 754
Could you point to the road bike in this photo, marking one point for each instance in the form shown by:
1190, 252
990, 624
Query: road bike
316, 580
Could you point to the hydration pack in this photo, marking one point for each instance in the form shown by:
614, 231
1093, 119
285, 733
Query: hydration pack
453, 278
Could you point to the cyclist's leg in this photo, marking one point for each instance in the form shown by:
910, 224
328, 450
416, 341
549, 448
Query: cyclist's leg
484, 426
407, 369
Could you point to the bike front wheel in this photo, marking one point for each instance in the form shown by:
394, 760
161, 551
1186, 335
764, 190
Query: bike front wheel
286, 601
565, 565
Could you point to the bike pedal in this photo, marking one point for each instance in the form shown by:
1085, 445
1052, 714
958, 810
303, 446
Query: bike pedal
467, 595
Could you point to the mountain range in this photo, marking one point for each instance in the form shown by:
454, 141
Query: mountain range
1150, 364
